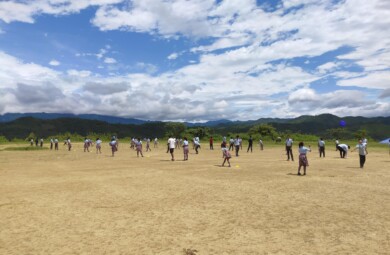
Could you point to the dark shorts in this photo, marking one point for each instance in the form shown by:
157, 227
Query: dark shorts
171, 150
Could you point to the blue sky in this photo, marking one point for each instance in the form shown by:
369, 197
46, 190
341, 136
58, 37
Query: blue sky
195, 60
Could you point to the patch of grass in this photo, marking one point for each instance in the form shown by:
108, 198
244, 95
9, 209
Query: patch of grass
26, 148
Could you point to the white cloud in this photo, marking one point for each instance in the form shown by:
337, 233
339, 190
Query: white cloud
83, 73
54, 63
375, 80
243, 62
24, 11
109, 61
173, 56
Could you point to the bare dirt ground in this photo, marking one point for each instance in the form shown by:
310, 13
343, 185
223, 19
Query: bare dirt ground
60, 202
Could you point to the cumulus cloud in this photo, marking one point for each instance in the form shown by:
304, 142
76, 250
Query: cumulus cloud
247, 59
173, 56
82, 73
105, 88
54, 63
340, 102
385, 93
109, 61
376, 80
25, 11
28, 94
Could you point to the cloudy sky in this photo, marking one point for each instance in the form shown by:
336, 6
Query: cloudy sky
195, 60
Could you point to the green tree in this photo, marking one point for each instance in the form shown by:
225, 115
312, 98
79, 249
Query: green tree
30, 136
264, 130
361, 133
175, 129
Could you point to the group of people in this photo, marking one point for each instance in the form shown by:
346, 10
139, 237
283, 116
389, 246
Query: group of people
226, 147
342, 148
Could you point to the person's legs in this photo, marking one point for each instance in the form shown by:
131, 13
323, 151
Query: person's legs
288, 148
173, 157
362, 160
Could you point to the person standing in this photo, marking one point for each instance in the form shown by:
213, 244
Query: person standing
155, 142
231, 143
250, 144
343, 148
226, 156
289, 143
261, 144
303, 158
362, 147
185, 148
32, 142
113, 145
171, 147
138, 147
41, 142
51, 143
69, 143
211, 143
321, 147
56, 144
148, 145
98, 146
86, 144
237, 143
197, 144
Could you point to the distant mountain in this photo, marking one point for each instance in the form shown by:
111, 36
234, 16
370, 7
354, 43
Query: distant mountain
211, 123
19, 125
51, 116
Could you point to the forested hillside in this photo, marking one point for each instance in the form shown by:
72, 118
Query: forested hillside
325, 125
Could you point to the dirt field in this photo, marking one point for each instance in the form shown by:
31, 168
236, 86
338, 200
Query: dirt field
60, 202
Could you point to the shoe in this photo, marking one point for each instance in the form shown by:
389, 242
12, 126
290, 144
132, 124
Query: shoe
299, 174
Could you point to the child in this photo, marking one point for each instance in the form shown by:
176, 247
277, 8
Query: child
86, 144
171, 147
68, 142
223, 146
343, 148
185, 148
148, 145
302, 158
197, 145
98, 146
362, 152
56, 144
138, 146
114, 148
226, 155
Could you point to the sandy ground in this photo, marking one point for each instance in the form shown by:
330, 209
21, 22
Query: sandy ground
60, 202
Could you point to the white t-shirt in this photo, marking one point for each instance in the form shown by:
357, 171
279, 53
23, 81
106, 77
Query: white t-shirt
344, 146
171, 142
98, 141
185, 143
289, 142
303, 150
321, 143
362, 149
